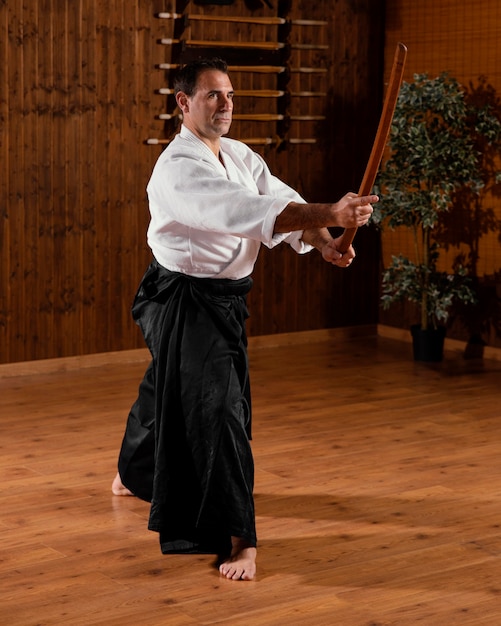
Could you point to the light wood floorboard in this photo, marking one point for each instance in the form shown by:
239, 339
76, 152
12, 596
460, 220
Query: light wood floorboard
378, 497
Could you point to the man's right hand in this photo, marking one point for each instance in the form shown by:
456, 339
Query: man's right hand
353, 211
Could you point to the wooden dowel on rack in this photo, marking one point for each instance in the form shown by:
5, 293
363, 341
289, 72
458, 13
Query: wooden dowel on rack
309, 22
260, 93
258, 45
259, 117
263, 69
309, 70
278, 21
256, 117
307, 94
250, 117
306, 118
259, 141
260, 69
262, 141
309, 46
257, 93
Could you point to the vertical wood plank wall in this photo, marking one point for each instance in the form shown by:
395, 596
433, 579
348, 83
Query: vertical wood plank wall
461, 37
78, 101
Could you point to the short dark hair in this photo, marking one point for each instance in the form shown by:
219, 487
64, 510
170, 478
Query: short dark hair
187, 76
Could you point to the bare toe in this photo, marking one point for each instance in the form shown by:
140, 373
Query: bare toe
118, 488
241, 564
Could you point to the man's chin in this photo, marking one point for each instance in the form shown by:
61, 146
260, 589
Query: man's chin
224, 129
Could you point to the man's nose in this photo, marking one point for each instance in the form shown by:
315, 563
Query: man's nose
226, 102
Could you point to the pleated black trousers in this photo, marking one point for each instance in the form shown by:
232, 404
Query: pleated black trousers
186, 446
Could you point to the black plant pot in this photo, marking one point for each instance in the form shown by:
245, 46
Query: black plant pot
428, 345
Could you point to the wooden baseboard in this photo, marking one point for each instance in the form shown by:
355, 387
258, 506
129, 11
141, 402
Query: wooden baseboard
142, 355
48, 366
312, 336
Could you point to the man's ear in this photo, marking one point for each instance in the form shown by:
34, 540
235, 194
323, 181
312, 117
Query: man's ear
182, 101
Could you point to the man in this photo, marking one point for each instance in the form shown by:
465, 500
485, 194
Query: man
213, 202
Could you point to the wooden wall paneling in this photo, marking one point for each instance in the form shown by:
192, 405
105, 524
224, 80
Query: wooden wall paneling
255, 299
142, 102
112, 224
354, 113
281, 280
5, 207
111, 263
11, 214
91, 316
13, 141
311, 270
107, 179
120, 216
38, 202
17, 320
137, 72
145, 77
44, 157
310, 279
28, 203
72, 261
125, 212
108, 172
28, 174
74, 177
64, 265
281, 277
277, 280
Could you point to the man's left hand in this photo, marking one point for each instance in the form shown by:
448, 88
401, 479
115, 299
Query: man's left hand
331, 254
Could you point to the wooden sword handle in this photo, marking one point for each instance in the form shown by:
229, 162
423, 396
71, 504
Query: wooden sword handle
396, 76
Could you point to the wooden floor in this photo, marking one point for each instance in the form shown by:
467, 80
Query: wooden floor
378, 496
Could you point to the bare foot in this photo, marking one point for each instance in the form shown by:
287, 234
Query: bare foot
241, 564
118, 488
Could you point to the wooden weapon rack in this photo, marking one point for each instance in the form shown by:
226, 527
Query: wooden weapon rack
277, 64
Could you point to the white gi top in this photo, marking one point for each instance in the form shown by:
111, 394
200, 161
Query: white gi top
209, 220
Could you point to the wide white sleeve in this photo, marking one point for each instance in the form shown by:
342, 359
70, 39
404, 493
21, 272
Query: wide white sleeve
268, 184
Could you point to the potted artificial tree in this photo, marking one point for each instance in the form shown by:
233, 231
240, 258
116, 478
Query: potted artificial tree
432, 156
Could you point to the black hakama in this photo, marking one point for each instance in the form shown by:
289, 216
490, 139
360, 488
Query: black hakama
186, 447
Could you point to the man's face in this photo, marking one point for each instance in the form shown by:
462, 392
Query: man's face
208, 112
